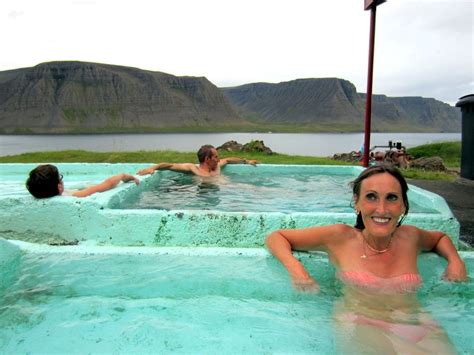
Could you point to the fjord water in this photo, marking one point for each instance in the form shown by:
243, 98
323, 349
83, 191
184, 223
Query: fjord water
310, 144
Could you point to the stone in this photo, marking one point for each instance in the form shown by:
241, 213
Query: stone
230, 146
250, 147
256, 146
429, 163
351, 157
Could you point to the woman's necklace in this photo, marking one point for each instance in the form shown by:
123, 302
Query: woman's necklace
377, 251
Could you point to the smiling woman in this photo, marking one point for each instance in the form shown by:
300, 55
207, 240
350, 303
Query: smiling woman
376, 257
382, 203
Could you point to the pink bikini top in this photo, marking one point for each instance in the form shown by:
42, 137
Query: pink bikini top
397, 284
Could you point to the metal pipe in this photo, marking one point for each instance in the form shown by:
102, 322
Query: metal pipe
368, 102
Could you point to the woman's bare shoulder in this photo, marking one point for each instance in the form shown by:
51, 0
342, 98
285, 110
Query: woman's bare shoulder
343, 232
409, 234
408, 231
341, 227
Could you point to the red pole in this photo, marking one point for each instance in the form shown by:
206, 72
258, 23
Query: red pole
368, 103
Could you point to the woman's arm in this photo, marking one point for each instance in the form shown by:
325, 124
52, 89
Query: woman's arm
108, 184
179, 167
281, 243
153, 168
441, 244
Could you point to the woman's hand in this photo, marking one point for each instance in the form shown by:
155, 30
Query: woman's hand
128, 177
455, 271
308, 285
301, 280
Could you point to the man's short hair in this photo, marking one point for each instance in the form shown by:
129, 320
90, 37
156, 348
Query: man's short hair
205, 152
43, 181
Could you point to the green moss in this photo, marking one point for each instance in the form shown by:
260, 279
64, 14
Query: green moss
428, 175
162, 233
79, 116
22, 131
75, 115
450, 152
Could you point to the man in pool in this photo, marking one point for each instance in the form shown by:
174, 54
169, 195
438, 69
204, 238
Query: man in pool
209, 164
45, 181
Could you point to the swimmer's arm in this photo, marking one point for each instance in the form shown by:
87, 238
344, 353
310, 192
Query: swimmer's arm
235, 160
442, 245
281, 243
179, 167
107, 184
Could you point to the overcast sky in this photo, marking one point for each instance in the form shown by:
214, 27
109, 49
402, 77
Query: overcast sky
422, 47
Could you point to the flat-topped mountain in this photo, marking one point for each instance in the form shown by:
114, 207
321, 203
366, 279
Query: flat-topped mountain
78, 97
73, 97
298, 101
332, 102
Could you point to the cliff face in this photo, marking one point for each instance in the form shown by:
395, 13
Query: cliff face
68, 97
77, 97
426, 114
298, 101
335, 102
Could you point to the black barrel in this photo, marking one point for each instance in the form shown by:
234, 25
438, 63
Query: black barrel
466, 103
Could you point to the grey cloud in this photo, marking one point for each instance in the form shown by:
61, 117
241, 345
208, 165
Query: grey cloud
15, 14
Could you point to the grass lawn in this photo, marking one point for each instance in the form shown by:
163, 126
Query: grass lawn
450, 152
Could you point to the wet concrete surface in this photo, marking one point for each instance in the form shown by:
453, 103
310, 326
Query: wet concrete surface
460, 198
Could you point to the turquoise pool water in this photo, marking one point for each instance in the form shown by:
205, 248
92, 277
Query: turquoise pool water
186, 300
170, 209
103, 296
234, 191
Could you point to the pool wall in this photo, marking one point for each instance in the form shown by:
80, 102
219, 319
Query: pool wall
430, 264
94, 221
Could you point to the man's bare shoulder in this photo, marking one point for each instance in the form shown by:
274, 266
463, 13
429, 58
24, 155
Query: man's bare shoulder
185, 168
185, 165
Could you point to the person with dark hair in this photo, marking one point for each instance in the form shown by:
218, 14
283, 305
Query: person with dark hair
376, 261
356, 189
45, 181
209, 163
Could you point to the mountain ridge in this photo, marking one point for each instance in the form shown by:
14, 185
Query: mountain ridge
81, 97
336, 101
60, 97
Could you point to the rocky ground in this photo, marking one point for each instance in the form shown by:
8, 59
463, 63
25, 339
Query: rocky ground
460, 197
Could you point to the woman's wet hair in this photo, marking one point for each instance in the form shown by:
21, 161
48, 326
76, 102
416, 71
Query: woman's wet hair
43, 181
205, 152
374, 170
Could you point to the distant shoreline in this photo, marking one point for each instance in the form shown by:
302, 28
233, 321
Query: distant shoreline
270, 130
307, 144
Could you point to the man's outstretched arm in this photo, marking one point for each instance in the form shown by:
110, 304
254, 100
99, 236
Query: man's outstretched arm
236, 160
179, 167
